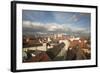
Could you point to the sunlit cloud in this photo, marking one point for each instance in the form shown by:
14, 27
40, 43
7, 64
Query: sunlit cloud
54, 27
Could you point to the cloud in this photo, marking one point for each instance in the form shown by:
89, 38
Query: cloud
74, 18
66, 17
32, 27
43, 27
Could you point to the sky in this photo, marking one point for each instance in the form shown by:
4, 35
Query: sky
55, 21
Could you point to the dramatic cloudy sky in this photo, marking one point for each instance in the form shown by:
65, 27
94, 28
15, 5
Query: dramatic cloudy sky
59, 22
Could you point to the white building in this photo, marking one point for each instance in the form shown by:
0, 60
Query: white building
41, 48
